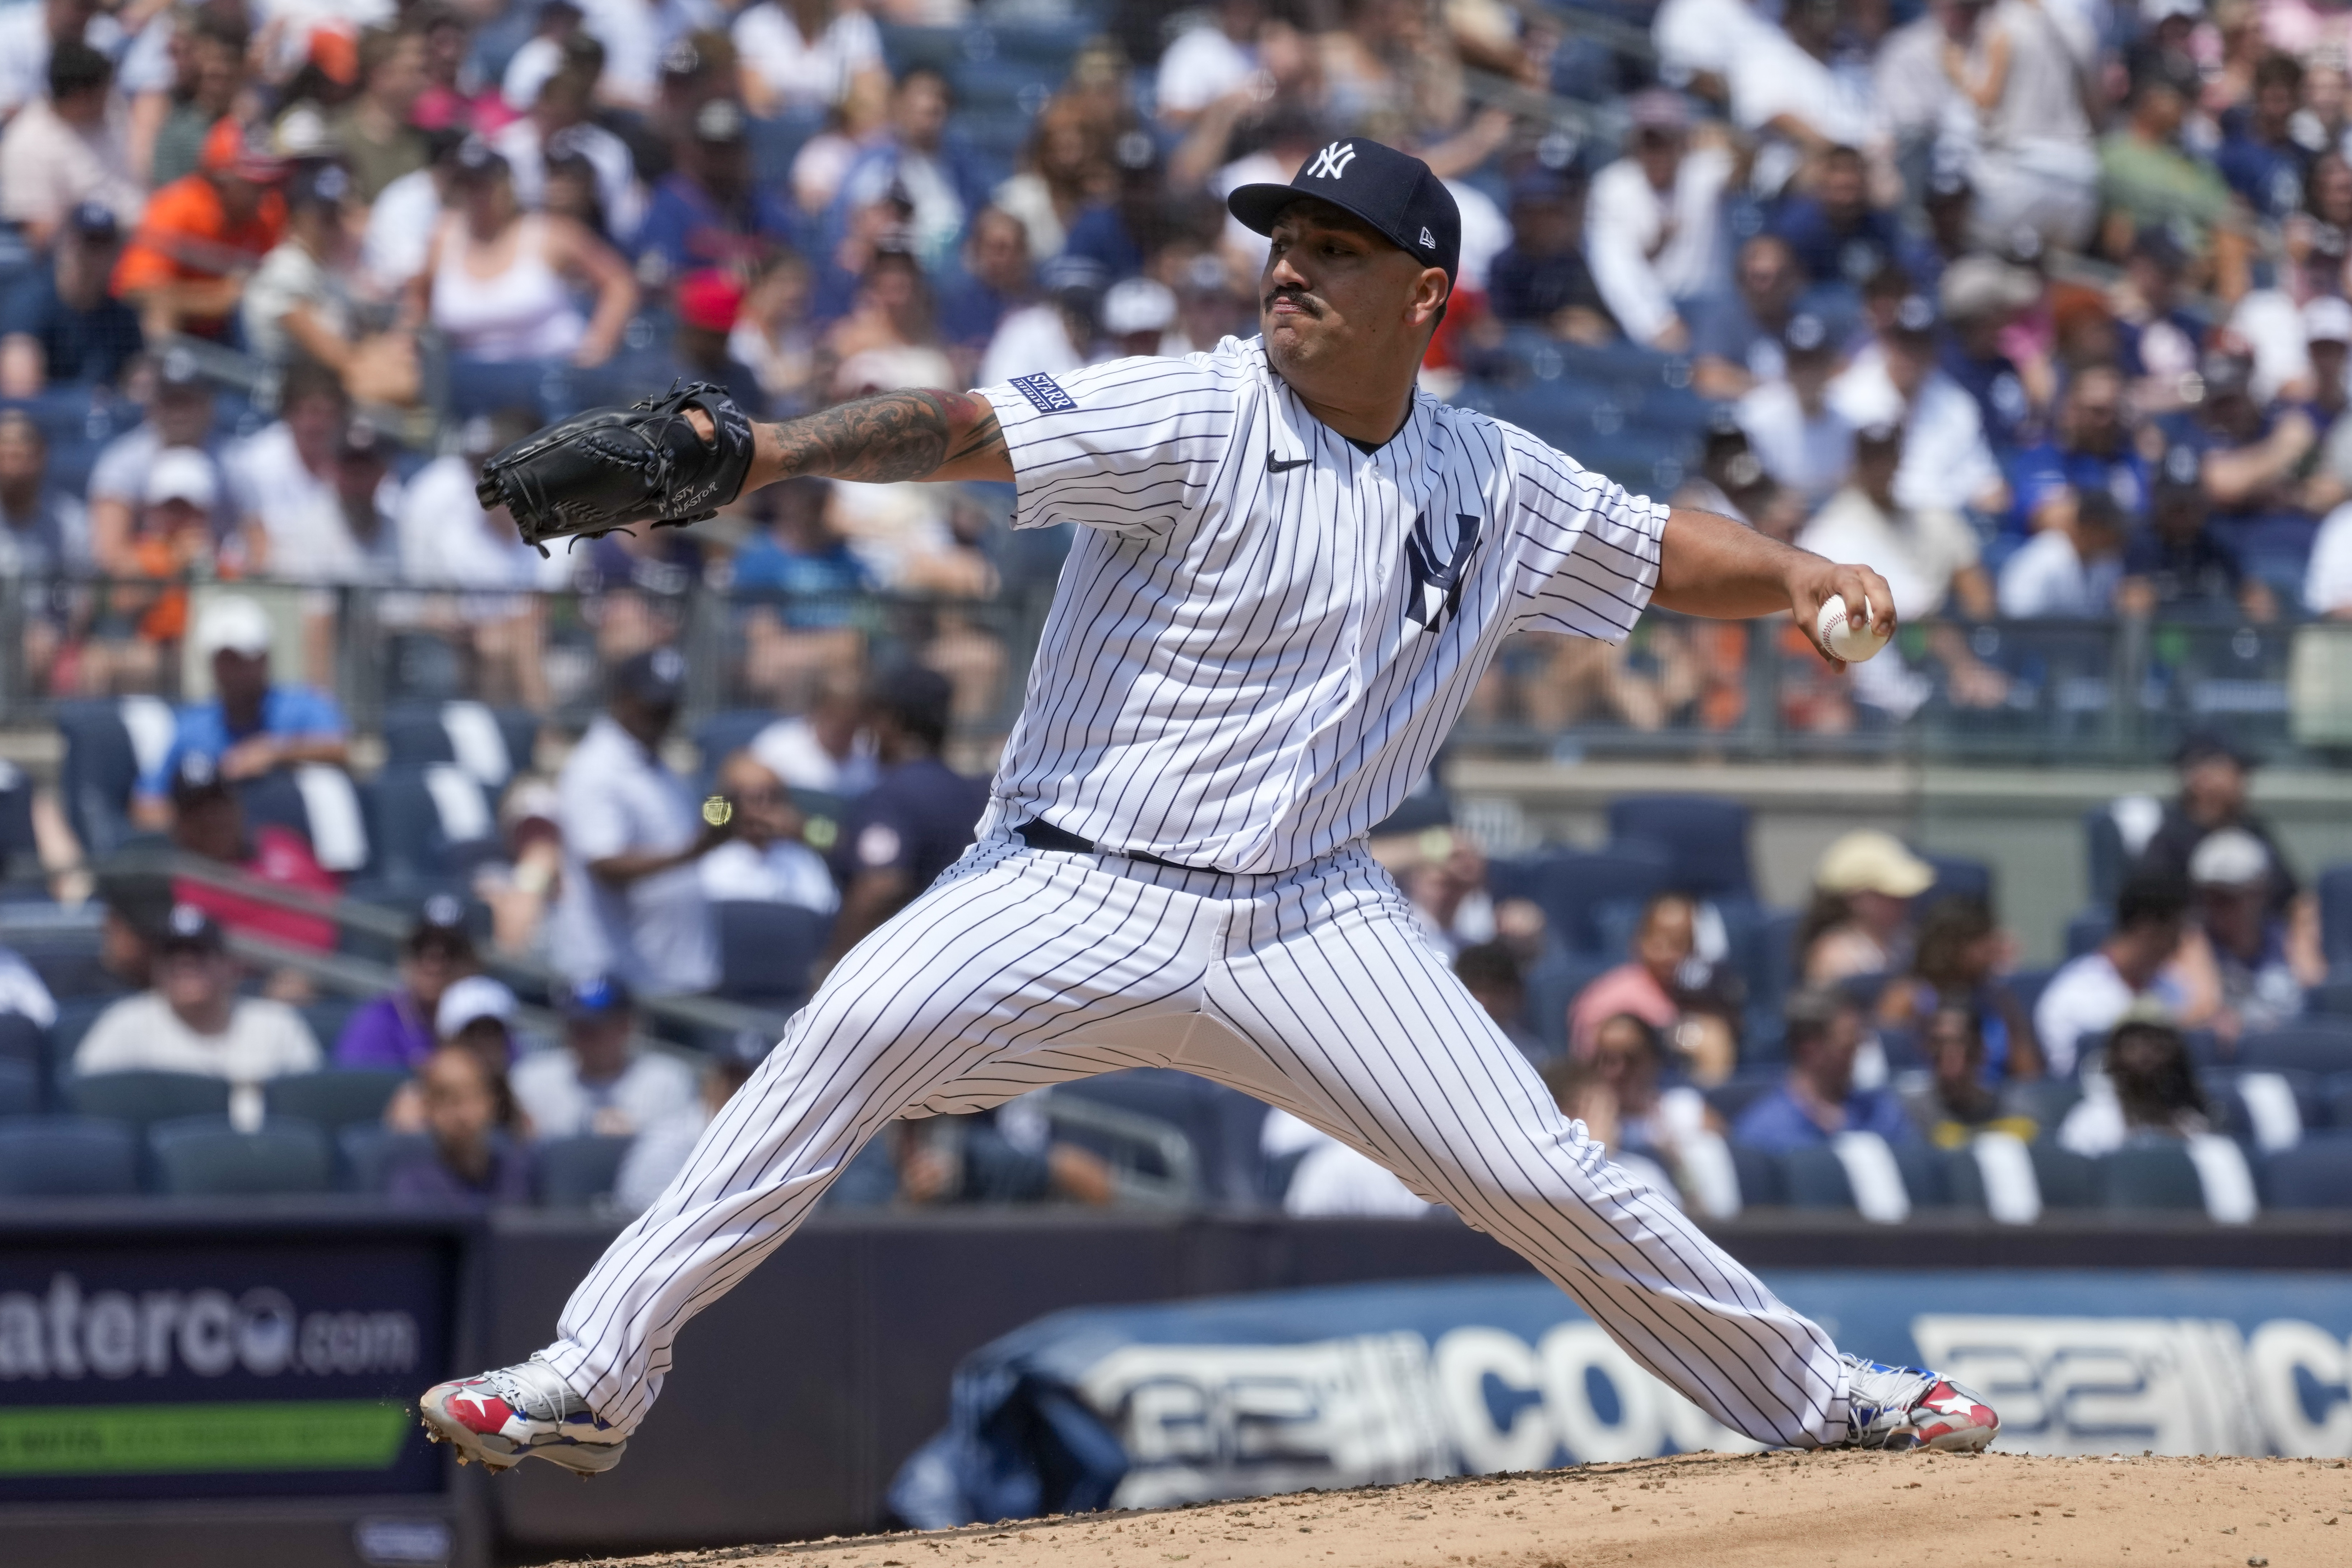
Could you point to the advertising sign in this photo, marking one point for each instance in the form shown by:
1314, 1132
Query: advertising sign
227, 1369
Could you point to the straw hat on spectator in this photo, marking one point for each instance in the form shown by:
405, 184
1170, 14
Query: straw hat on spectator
1868, 860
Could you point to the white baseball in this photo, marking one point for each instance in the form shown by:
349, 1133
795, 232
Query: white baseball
1850, 637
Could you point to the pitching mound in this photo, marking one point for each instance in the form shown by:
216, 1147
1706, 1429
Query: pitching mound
1765, 1510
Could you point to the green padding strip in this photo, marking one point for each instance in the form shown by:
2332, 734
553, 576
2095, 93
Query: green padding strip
179, 1440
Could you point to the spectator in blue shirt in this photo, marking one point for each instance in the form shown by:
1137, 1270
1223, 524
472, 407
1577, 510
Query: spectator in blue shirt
996, 280
709, 211
2259, 156
1818, 1100
60, 326
1738, 343
1981, 295
2089, 451
251, 726
1837, 235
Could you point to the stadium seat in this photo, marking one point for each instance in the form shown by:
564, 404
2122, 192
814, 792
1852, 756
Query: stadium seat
366, 1152
1553, 982
1815, 1179
334, 1098
1731, 1098
2330, 999
765, 951
144, 1098
2044, 1100
1571, 885
65, 1156
2067, 1180
493, 744
721, 734
2087, 929
2335, 891
1704, 839
1761, 1182
2319, 1048
1957, 877
16, 841
108, 745
2266, 1108
2159, 1176
23, 1040
20, 1087
575, 1172
2336, 1097
2314, 1175
203, 1156
1221, 1124
429, 822
316, 801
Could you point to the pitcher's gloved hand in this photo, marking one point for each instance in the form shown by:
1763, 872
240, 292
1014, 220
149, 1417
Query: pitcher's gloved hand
610, 467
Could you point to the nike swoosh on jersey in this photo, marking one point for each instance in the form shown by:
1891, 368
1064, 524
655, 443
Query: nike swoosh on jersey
1275, 465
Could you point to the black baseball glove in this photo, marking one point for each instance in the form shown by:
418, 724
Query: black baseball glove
610, 467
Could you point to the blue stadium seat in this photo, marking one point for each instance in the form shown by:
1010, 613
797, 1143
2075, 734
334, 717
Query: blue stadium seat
1816, 1179
1553, 982
2336, 1094
496, 742
203, 1156
107, 742
2158, 1176
2316, 1174
2227, 1090
2087, 929
429, 823
2107, 859
65, 1156
765, 951
367, 1151
2322, 1048
334, 1098
575, 1172
2335, 891
23, 1040
723, 733
1704, 838
1221, 1124
2045, 1099
20, 1087
1957, 877
144, 1098
1762, 1184
1569, 885
1746, 1086
2067, 1180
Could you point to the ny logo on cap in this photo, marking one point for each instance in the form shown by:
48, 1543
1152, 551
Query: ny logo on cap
1332, 161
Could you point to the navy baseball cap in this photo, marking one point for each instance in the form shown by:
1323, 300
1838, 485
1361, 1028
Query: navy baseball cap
1394, 191
598, 997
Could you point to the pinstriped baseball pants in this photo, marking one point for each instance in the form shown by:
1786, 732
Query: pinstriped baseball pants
1312, 990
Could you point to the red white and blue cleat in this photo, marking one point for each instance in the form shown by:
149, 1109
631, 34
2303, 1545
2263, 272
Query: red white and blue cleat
1911, 1407
516, 1413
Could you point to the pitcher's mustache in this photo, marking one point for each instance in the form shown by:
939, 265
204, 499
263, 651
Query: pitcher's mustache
1299, 297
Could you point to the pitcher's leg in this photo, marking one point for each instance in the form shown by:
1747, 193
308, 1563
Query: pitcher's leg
1357, 1028
998, 960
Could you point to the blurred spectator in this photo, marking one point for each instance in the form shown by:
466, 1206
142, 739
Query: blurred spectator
1859, 922
479, 1013
1211, 59
1957, 964
2327, 578
1805, 445
405, 218
829, 748
173, 543
284, 480
916, 821
212, 70
766, 861
1490, 971
2090, 993
194, 1021
1692, 1004
185, 267
599, 1081
470, 1162
814, 633
709, 211
1330, 1178
66, 148
1137, 313
2242, 958
996, 1157
2157, 338
938, 178
2215, 783
860, 121
1654, 225
1948, 464
1543, 277
138, 906
2254, 456
1786, 91
179, 399
2179, 564
495, 279
208, 821
772, 337
804, 54
252, 724
448, 541
2146, 179
1835, 234
995, 281
520, 888
376, 133
1955, 1104
1054, 334
1982, 298
1616, 1091
660, 1151
2089, 450
398, 1029
43, 532
1063, 172
2027, 82
454, 93
23, 992
2145, 1092
1819, 1100
632, 905
1444, 875
2071, 566
59, 326
298, 305
561, 112
2259, 155
542, 54
1738, 343
29, 34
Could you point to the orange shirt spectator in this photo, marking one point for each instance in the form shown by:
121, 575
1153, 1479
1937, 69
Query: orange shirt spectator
184, 269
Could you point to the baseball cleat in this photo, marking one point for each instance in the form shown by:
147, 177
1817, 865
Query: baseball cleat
1911, 1407
506, 1416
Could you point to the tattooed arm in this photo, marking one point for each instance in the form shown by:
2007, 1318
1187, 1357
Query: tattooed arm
892, 436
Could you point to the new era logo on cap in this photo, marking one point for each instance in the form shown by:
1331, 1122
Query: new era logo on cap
1427, 238
1333, 161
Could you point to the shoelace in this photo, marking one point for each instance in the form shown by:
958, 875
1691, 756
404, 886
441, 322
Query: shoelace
1880, 1390
535, 1390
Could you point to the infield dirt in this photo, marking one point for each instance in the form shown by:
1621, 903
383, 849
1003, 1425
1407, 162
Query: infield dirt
1703, 1510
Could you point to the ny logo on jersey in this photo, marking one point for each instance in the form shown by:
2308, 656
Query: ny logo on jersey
1435, 591
1332, 161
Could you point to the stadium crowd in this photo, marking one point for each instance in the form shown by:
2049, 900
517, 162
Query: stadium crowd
2036, 305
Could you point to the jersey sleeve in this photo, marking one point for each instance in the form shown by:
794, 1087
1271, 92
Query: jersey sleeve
1588, 552
1127, 446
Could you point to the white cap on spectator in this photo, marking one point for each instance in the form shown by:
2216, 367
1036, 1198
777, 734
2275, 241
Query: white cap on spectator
475, 996
234, 622
2229, 857
1138, 305
2327, 320
183, 473
2154, 11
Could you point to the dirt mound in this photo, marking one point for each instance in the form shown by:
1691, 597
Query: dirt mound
1703, 1510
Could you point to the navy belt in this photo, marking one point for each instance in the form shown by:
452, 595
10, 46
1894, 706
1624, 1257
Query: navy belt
1040, 834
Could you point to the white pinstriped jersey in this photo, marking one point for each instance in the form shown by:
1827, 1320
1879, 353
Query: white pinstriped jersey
1263, 633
